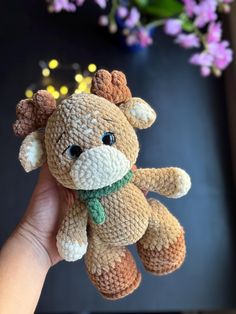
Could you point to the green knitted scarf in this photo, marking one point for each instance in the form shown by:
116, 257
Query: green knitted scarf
92, 198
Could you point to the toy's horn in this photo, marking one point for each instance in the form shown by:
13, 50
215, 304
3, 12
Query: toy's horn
111, 86
33, 114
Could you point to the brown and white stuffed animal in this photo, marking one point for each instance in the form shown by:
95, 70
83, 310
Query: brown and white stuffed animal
90, 145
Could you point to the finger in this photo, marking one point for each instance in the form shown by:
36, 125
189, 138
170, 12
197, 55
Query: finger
45, 175
46, 181
65, 203
67, 197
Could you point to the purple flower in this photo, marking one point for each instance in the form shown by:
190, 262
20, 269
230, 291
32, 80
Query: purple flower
217, 57
188, 40
173, 27
204, 60
103, 20
144, 37
133, 18
122, 12
189, 6
59, 5
221, 53
140, 36
79, 3
131, 39
101, 3
214, 32
205, 12
205, 71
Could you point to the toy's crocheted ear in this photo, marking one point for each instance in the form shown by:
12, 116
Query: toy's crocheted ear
139, 113
32, 115
32, 153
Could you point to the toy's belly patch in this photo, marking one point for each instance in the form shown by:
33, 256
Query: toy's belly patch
127, 214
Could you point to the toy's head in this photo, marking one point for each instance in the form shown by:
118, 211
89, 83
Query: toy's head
88, 140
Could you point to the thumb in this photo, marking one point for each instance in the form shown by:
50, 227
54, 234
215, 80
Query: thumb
45, 181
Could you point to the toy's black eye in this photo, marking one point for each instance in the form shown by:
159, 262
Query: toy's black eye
108, 138
74, 151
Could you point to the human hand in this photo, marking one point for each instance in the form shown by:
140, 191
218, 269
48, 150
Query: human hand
41, 220
30, 251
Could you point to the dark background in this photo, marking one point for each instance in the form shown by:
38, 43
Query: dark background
191, 132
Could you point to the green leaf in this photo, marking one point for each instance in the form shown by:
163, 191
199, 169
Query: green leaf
141, 3
183, 17
188, 26
163, 8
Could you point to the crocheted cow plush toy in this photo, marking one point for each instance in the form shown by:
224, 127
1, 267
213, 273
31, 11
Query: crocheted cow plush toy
90, 145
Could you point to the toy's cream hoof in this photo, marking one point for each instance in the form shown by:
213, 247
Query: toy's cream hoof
70, 250
166, 260
121, 280
182, 183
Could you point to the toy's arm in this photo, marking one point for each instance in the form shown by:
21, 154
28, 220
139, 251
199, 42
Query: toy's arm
170, 182
72, 235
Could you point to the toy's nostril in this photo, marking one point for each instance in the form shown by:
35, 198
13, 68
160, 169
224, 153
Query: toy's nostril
75, 151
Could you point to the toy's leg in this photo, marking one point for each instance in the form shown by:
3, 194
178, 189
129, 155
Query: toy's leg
72, 235
162, 248
111, 269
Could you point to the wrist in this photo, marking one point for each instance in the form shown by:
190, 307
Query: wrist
28, 240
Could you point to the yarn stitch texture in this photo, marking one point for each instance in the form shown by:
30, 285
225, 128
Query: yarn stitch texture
91, 198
